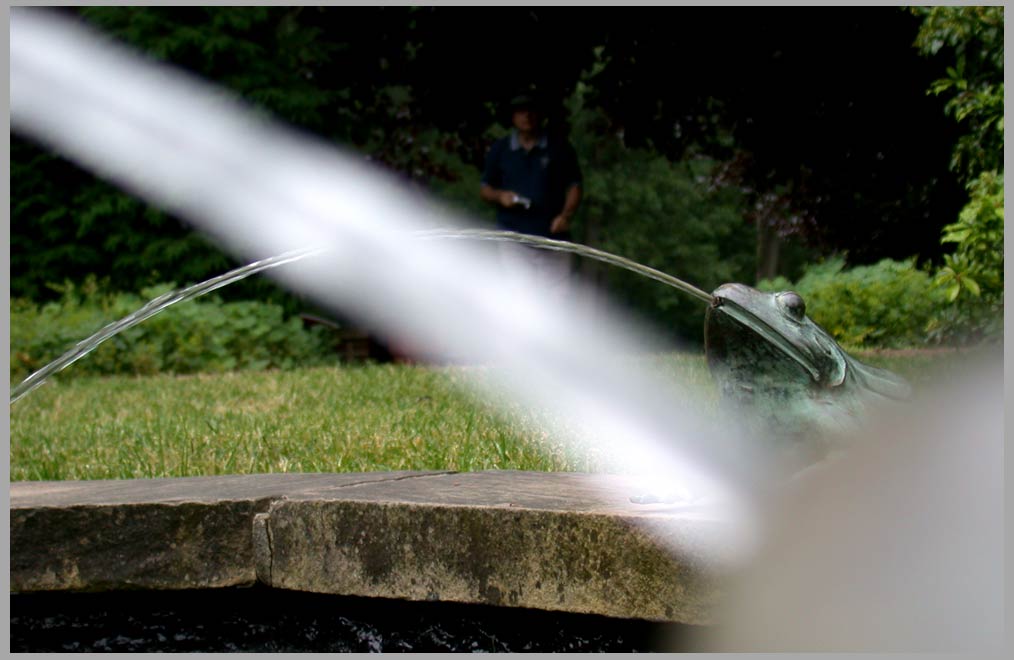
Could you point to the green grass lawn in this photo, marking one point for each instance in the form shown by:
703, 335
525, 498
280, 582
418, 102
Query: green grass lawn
335, 419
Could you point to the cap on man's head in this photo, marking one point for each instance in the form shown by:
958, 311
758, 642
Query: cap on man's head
524, 102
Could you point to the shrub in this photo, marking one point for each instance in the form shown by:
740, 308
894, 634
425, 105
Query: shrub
887, 304
199, 335
972, 275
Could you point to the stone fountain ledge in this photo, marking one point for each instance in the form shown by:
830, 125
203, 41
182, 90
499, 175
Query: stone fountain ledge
554, 541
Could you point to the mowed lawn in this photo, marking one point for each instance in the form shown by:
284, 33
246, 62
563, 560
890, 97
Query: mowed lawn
335, 419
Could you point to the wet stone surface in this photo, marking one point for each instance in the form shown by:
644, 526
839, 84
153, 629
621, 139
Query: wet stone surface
261, 619
565, 542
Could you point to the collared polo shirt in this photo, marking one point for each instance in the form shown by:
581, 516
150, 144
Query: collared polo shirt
543, 174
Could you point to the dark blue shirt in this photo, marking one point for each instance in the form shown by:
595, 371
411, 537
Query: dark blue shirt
543, 174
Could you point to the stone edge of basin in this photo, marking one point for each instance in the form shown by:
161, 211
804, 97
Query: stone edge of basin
555, 541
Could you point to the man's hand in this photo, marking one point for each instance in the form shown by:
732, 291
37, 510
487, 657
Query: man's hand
507, 198
560, 224
504, 198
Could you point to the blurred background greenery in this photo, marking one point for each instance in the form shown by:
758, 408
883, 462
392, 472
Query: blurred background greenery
858, 160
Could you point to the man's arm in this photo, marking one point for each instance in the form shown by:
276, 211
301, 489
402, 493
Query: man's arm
493, 195
561, 223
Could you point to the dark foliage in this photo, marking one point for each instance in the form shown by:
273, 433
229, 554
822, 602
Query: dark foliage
825, 107
820, 116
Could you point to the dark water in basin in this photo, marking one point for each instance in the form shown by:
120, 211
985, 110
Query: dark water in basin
260, 619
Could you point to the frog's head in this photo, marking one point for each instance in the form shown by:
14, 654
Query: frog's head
762, 339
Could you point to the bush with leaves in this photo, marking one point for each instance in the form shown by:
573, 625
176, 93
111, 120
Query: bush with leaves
972, 275
972, 37
889, 304
975, 269
199, 335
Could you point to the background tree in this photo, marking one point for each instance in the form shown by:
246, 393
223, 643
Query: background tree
819, 113
66, 223
971, 40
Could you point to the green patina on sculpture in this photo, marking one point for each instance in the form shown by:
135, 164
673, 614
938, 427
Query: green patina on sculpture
786, 378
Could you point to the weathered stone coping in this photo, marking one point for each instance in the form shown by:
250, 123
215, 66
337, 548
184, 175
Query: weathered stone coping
554, 541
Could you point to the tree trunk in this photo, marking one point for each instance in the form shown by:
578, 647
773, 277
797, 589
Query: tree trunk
591, 270
768, 243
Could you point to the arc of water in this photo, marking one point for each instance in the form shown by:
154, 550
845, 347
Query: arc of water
163, 302
574, 248
151, 308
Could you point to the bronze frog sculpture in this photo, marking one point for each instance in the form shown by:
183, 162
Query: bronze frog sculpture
785, 378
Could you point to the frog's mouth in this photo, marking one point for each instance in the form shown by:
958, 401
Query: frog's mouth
762, 330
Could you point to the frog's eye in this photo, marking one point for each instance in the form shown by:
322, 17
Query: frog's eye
793, 304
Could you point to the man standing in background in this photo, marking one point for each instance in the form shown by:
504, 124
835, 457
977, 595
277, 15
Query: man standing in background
534, 180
